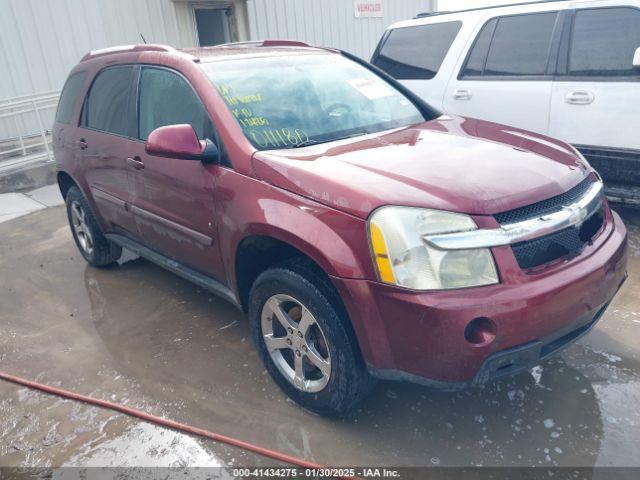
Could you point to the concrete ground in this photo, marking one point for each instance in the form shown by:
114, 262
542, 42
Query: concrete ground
138, 335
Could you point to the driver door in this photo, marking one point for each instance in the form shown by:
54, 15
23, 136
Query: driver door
173, 199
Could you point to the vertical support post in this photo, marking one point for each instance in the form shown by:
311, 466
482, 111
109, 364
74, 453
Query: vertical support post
43, 133
19, 132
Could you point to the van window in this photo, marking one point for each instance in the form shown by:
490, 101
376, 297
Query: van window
108, 107
411, 53
167, 99
521, 45
475, 62
69, 96
604, 41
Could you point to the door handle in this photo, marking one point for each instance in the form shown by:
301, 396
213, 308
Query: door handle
579, 97
135, 162
462, 94
82, 144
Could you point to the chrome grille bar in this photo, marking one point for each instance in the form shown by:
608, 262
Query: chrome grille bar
568, 216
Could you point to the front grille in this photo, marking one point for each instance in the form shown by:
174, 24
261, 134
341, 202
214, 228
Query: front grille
545, 207
565, 243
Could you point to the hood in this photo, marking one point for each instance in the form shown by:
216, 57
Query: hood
451, 163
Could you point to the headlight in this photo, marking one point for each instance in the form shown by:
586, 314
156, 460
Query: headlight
403, 258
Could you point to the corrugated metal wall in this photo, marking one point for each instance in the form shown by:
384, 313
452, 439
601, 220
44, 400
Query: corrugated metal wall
330, 23
40, 40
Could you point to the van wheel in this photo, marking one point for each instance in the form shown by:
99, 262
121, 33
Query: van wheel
93, 245
299, 328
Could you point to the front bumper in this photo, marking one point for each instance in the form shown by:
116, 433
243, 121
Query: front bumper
419, 336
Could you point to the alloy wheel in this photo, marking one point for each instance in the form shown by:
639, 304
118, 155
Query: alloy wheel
296, 343
80, 227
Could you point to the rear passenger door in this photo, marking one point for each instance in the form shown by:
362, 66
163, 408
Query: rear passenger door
104, 138
596, 97
506, 77
414, 55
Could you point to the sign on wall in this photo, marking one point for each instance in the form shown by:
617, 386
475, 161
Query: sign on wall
367, 8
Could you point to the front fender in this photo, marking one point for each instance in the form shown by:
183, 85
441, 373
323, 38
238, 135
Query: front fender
325, 236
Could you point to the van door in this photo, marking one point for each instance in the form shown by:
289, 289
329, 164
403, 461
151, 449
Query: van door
414, 55
507, 75
104, 136
174, 199
596, 100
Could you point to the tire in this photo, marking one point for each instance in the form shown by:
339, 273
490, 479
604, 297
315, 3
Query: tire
93, 245
299, 288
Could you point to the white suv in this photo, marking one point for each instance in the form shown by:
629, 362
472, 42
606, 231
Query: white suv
567, 69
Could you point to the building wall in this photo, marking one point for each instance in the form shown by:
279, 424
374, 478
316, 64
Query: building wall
41, 40
330, 23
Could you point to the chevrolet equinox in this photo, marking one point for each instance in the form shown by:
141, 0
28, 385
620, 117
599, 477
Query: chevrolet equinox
365, 234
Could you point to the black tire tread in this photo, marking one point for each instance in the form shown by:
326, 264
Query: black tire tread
105, 252
341, 394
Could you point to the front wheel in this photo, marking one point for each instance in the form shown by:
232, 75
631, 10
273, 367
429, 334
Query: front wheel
301, 333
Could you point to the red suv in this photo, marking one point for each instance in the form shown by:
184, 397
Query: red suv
365, 234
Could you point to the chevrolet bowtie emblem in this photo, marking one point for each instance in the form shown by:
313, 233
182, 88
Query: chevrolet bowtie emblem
576, 214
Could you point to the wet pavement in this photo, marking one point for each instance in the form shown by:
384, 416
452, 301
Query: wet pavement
138, 335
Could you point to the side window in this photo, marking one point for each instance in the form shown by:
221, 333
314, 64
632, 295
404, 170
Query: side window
475, 62
416, 52
69, 97
521, 45
604, 41
167, 99
108, 106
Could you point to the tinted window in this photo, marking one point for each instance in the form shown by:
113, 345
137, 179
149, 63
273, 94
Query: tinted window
604, 41
521, 44
475, 62
108, 106
167, 99
69, 96
416, 52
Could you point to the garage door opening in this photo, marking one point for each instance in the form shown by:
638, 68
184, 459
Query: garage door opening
213, 26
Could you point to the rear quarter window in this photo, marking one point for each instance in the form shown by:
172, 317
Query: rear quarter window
417, 52
69, 97
604, 41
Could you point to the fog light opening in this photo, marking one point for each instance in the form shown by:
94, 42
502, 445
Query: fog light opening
480, 331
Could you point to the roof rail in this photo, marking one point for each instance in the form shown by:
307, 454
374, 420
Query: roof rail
488, 7
141, 47
265, 43
284, 43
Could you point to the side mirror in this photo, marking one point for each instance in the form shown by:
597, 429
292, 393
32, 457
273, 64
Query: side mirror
636, 59
180, 141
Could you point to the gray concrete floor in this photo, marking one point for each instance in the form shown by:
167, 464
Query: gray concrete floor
138, 335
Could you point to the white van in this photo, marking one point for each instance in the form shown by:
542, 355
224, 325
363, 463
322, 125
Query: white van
567, 69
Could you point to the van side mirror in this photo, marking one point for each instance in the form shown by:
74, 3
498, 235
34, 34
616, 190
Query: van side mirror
180, 141
636, 59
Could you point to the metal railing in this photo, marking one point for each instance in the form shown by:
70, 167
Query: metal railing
25, 136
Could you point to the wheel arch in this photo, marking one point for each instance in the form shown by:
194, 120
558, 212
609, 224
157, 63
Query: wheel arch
65, 182
257, 253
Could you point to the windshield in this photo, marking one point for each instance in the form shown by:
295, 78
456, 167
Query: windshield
299, 100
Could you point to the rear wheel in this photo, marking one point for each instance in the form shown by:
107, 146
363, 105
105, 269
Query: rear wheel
301, 333
93, 245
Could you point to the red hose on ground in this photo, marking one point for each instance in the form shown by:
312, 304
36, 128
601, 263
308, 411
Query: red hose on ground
282, 457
